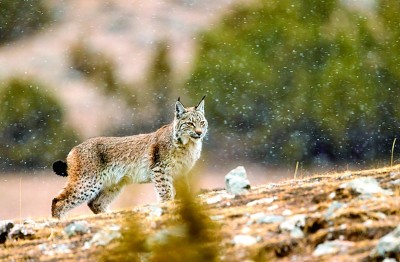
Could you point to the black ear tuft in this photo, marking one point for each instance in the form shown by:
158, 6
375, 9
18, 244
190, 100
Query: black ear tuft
179, 109
200, 106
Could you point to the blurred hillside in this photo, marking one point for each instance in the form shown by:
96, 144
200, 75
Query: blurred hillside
286, 81
94, 58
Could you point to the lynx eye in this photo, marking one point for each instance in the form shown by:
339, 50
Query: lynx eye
202, 123
191, 124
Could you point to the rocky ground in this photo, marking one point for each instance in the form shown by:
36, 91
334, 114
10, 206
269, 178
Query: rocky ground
350, 216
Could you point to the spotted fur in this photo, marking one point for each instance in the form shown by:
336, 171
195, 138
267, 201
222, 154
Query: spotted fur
100, 167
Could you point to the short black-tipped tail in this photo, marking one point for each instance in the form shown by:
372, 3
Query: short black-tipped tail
60, 168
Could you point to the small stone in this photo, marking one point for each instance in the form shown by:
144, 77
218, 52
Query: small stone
395, 182
103, 237
257, 215
332, 247
244, 240
21, 232
216, 217
163, 236
270, 219
267, 200
214, 199
298, 220
287, 212
273, 207
236, 181
54, 249
332, 195
333, 208
296, 233
368, 223
5, 228
366, 186
294, 225
76, 228
388, 244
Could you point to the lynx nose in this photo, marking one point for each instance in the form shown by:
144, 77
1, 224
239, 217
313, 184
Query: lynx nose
198, 131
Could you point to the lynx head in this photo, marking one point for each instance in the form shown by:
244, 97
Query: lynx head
190, 123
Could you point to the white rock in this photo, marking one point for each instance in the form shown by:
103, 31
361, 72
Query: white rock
236, 181
332, 247
270, 219
273, 207
244, 240
388, 244
103, 237
366, 186
267, 200
296, 233
54, 249
289, 224
76, 228
287, 212
334, 206
214, 199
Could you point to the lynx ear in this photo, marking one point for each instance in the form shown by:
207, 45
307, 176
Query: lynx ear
200, 106
179, 108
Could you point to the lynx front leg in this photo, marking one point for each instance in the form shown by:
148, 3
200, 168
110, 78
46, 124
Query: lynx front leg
163, 184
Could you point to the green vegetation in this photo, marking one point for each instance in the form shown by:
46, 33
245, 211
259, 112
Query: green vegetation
32, 133
19, 18
302, 81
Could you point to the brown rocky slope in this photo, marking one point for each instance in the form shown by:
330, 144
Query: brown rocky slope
350, 216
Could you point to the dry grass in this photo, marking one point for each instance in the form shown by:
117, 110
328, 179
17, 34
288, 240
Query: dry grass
362, 221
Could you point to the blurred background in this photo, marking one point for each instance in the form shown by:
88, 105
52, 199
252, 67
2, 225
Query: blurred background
312, 84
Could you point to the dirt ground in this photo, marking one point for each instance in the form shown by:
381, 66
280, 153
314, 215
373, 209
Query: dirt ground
29, 195
242, 233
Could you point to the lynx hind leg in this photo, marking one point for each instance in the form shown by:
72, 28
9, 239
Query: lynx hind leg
163, 185
100, 203
71, 196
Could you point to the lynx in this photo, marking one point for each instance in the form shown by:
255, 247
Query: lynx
100, 167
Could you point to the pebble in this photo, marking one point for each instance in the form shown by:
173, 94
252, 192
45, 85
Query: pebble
273, 207
270, 219
76, 228
294, 225
395, 182
332, 247
291, 223
54, 249
267, 200
244, 240
163, 236
287, 212
335, 205
103, 237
